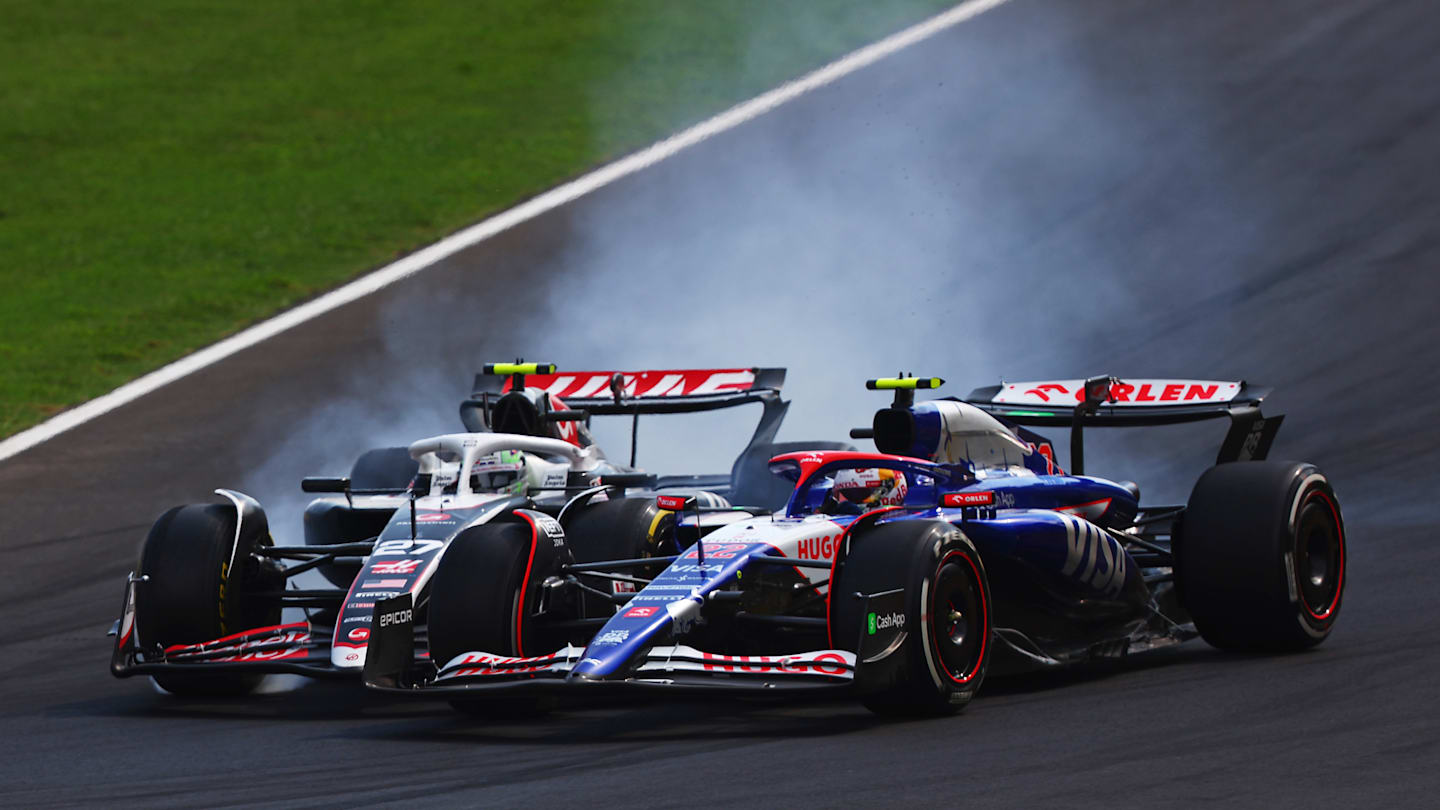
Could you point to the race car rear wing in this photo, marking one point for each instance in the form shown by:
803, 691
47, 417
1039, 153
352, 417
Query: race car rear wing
636, 393
644, 392
1112, 402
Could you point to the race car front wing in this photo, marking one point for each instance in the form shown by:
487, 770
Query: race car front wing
669, 667
299, 648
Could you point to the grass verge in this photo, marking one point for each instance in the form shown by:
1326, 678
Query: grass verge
173, 171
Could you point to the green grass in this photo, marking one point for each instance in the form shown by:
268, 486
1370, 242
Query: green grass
173, 171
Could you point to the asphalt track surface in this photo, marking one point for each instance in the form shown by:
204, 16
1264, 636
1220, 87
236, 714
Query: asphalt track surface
1329, 116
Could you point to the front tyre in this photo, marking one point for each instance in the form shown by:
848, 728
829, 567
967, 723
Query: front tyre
940, 664
1261, 559
193, 593
483, 597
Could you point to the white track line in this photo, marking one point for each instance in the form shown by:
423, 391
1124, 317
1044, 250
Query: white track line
481, 231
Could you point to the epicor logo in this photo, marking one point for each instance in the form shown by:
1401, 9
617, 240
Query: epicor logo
387, 619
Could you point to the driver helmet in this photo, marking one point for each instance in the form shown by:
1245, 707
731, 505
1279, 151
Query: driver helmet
502, 472
870, 487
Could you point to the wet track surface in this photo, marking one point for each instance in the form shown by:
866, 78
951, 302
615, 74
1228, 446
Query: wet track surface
1231, 191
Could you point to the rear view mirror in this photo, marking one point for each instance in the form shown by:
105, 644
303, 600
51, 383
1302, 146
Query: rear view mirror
1098, 390
324, 484
566, 416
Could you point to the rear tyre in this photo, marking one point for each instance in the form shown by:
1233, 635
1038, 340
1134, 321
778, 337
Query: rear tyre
1261, 558
192, 595
481, 601
941, 663
620, 529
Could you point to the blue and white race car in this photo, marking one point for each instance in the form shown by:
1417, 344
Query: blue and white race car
903, 576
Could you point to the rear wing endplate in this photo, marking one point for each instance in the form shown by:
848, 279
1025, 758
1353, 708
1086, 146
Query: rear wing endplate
1113, 402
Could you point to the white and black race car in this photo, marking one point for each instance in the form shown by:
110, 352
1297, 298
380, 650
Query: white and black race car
211, 606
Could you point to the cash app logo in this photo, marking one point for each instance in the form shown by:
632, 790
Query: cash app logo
871, 623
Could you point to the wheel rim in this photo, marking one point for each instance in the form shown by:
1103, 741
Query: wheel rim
958, 618
1319, 556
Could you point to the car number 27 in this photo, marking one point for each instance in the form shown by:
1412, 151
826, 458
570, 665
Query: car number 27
402, 547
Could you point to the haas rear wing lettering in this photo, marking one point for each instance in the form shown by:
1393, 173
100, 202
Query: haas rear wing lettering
647, 392
1132, 402
578, 395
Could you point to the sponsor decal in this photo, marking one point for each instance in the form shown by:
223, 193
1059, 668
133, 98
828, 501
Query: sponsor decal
825, 663
884, 621
432, 517
285, 645
641, 612
659, 597
395, 566
1093, 557
384, 583
609, 638
481, 664
395, 617
1135, 392
1043, 392
968, 499
377, 595
818, 548
224, 578
670, 383
674, 503
359, 605
617, 586
352, 657
265, 655
550, 527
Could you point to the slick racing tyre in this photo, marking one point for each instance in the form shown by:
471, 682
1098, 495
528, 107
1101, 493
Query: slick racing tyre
483, 597
620, 529
1261, 559
946, 648
192, 594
